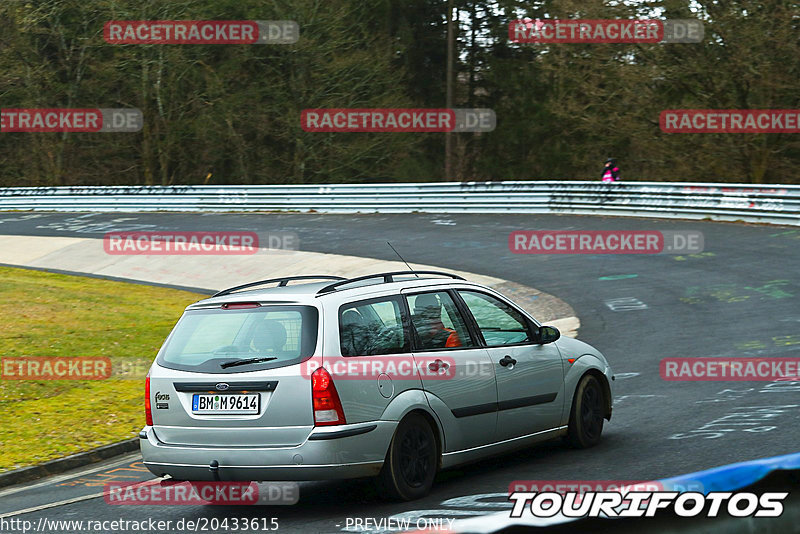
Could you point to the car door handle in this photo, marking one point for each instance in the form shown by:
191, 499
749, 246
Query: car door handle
507, 360
437, 365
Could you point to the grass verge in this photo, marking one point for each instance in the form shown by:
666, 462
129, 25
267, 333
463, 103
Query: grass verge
46, 314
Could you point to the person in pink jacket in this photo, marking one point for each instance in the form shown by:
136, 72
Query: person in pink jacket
610, 171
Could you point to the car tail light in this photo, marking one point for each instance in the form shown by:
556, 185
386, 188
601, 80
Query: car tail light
327, 406
148, 412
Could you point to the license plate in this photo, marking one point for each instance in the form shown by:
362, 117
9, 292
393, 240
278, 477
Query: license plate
246, 403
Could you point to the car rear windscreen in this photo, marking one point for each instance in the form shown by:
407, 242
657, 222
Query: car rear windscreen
241, 340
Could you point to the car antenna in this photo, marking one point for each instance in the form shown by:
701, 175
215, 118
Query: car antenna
401, 257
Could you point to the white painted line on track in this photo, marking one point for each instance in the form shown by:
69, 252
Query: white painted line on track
623, 376
51, 505
75, 499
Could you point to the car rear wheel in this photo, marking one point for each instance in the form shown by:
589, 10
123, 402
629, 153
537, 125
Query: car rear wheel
411, 462
586, 418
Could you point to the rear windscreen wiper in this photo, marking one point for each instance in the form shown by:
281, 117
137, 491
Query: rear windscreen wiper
246, 361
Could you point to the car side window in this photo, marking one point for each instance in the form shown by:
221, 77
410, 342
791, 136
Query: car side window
373, 327
437, 322
499, 323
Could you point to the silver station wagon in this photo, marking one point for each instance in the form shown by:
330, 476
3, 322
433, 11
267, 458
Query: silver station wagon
394, 375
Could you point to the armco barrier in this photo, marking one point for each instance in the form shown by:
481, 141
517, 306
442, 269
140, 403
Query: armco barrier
778, 204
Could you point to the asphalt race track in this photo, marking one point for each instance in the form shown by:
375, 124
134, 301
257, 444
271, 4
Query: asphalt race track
737, 298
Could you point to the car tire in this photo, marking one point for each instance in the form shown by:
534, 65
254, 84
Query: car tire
411, 462
586, 417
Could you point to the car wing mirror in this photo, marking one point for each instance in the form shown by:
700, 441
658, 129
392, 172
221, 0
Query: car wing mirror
548, 334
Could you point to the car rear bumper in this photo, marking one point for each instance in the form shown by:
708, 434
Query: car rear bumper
345, 451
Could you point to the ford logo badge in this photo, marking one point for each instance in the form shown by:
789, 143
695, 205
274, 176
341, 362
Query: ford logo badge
222, 386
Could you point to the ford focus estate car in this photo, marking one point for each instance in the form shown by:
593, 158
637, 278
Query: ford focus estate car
394, 375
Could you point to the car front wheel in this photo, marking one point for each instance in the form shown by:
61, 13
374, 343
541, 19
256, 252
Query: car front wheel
586, 418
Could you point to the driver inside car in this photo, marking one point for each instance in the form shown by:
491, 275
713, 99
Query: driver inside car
433, 334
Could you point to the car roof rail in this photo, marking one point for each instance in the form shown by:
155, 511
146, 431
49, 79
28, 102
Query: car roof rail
282, 281
387, 277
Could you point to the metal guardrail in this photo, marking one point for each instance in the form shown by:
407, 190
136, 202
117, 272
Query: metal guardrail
778, 204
